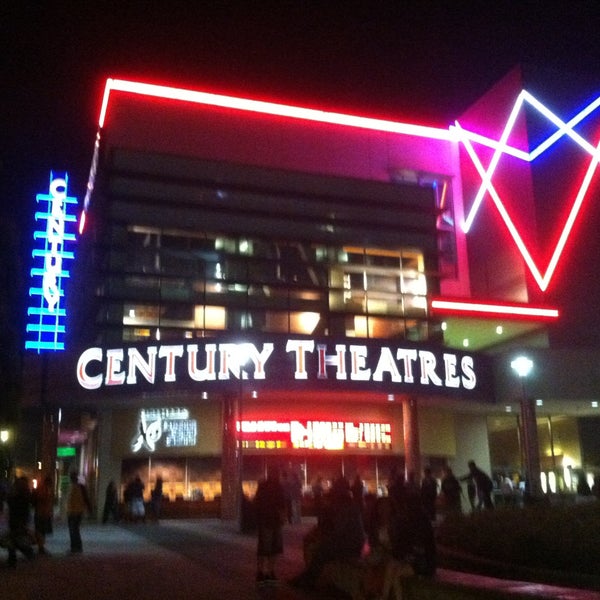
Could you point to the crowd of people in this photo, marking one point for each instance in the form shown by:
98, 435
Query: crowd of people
25, 505
394, 530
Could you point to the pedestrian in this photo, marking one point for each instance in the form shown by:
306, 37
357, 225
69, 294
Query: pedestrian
483, 484
78, 503
451, 492
156, 497
318, 490
340, 534
295, 498
429, 493
358, 492
270, 512
19, 514
134, 496
411, 534
111, 503
43, 515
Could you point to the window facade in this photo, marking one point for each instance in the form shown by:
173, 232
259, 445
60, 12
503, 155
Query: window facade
176, 284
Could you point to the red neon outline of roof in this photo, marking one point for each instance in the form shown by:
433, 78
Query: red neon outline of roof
473, 308
452, 134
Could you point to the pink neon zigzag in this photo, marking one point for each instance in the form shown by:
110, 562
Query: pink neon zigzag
501, 147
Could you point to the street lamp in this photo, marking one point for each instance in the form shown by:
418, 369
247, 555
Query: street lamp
522, 366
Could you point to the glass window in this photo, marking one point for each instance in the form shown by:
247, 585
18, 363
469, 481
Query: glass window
193, 282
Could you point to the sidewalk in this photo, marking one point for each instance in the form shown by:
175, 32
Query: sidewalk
201, 559
176, 559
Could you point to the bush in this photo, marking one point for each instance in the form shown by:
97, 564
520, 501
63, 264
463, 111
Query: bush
562, 538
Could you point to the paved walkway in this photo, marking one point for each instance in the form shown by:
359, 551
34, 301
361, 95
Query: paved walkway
183, 559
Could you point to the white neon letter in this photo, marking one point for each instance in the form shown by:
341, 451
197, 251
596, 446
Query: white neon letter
300, 348
387, 364
469, 379
451, 378
114, 358
335, 360
407, 356
208, 373
428, 364
170, 353
85, 381
358, 361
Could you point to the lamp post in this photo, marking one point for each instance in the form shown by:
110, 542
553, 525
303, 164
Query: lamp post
522, 366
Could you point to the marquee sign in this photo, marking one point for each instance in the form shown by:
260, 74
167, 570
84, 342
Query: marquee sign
294, 362
314, 435
47, 314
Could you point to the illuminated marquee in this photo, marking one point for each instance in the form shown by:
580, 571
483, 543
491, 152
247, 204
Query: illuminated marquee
302, 358
47, 313
171, 425
314, 435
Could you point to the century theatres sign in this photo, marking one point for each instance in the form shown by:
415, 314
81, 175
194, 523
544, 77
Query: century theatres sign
46, 315
281, 361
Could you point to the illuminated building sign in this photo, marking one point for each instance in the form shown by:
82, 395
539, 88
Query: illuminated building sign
169, 427
64, 451
46, 314
314, 435
291, 360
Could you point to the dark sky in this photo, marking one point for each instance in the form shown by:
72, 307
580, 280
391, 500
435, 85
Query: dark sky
415, 60
418, 61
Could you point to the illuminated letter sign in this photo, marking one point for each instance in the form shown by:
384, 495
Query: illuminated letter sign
171, 425
314, 435
291, 360
57, 223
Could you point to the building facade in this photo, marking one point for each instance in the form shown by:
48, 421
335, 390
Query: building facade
259, 283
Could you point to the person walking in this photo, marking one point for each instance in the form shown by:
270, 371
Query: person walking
451, 492
483, 484
134, 497
271, 512
429, 493
43, 507
157, 498
78, 503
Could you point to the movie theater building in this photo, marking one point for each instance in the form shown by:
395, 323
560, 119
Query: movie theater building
257, 283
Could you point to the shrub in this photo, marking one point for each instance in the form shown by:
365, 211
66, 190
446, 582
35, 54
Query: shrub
564, 538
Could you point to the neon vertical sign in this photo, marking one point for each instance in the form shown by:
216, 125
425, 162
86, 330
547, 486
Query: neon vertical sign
52, 238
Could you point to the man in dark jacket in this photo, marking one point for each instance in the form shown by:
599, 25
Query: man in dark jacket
483, 484
19, 515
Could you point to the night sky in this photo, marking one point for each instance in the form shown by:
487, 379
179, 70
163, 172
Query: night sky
417, 61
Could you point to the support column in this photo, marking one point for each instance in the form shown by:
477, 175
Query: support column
410, 424
49, 442
531, 447
231, 461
